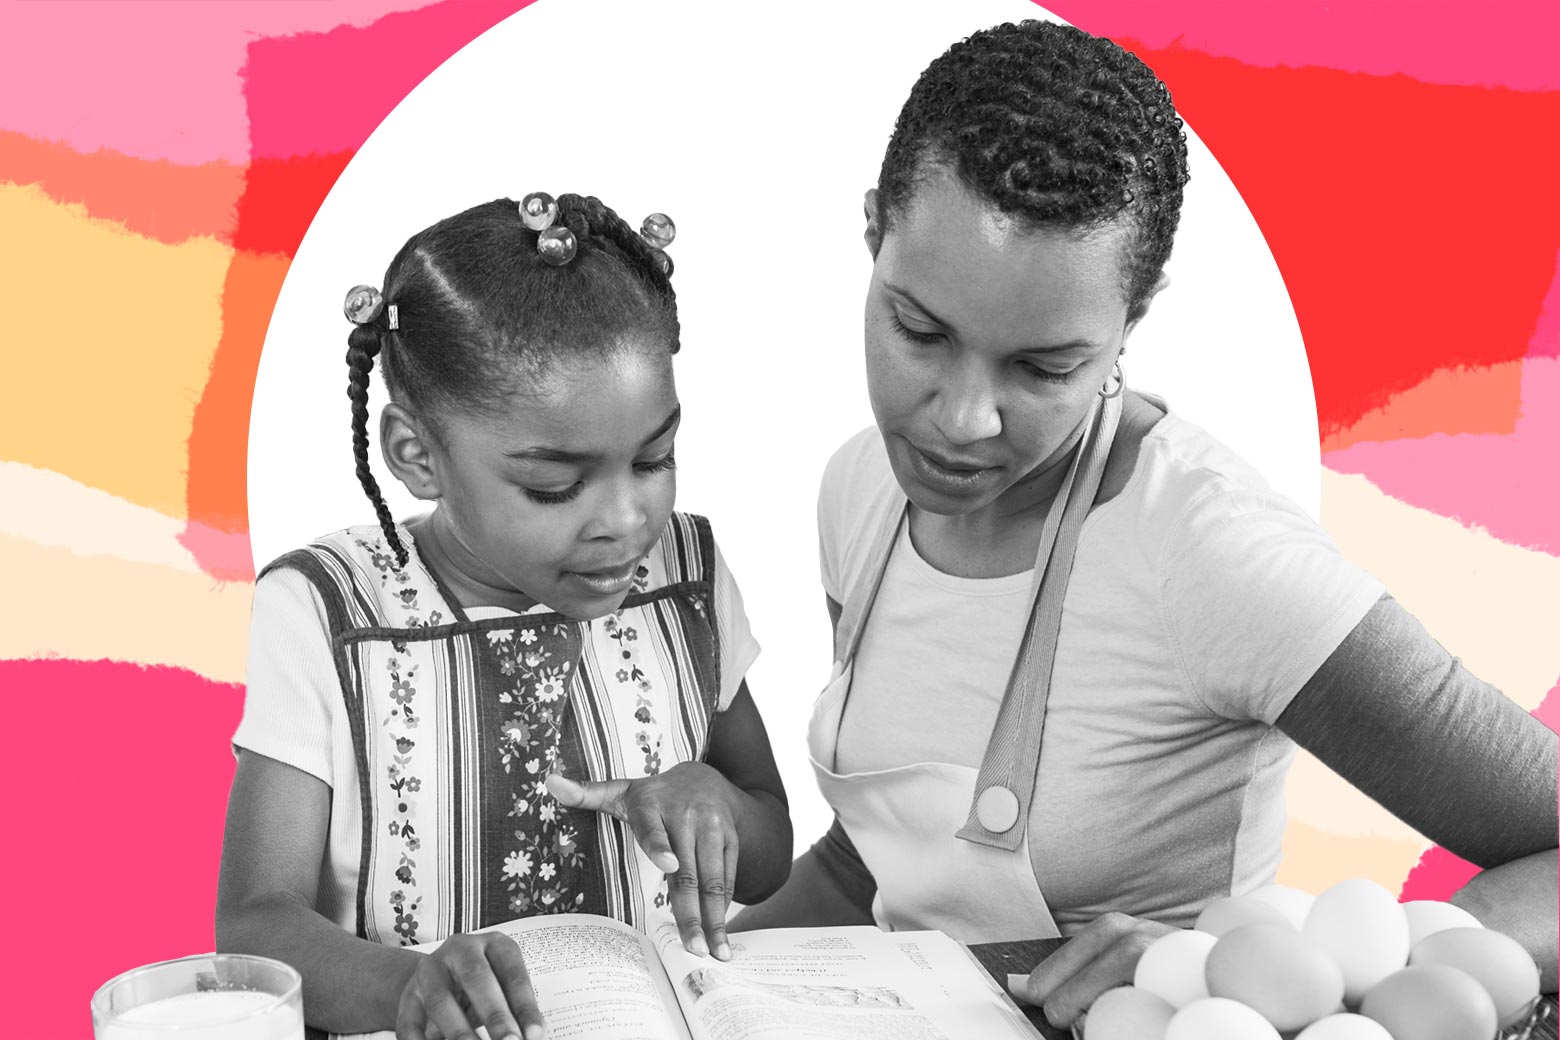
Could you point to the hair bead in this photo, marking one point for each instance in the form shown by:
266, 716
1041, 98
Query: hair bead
658, 230
363, 305
539, 211
557, 245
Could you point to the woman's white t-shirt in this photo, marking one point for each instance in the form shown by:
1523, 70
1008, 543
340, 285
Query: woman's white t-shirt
1200, 602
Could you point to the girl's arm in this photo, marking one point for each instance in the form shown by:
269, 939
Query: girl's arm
719, 828
1397, 716
277, 822
829, 885
739, 750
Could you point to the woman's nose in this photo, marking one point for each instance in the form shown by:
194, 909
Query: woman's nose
968, 406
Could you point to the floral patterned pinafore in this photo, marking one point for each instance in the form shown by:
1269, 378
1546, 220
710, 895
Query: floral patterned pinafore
455, 724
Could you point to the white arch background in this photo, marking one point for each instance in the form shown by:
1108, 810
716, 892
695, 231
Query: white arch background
758, 131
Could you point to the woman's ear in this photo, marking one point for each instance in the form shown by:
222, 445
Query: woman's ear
874, 232
408, 451
1139, 312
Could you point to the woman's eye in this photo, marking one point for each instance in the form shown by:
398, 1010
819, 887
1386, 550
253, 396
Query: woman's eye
553, 498
1034, 370
913, 335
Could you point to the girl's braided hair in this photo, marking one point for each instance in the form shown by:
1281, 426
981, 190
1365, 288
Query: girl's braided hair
476, 306
1053, 127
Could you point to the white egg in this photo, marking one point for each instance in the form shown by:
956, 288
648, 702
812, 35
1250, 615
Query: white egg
1361, 926
1277, 971
1173, 967
1344, 1027
1294, 903
1127, 1013
1231, 912
1428, 916
1218, 1018
1496, 961
1431, 1002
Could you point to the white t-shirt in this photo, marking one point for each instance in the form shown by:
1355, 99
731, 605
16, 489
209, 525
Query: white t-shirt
1200, 602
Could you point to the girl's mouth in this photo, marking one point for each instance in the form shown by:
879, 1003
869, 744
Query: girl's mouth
609, 581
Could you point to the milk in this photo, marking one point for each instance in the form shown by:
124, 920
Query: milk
210, 1015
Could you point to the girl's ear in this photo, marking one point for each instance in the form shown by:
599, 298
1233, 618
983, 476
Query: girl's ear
408, 451
874, 233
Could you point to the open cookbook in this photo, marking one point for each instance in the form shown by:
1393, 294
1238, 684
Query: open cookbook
598, 978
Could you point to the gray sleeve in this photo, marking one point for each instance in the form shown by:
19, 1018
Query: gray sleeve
1402, 720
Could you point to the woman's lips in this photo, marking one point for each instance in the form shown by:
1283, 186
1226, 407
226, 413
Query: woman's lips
950, 475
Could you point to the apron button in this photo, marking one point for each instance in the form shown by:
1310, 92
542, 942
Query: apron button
997, 809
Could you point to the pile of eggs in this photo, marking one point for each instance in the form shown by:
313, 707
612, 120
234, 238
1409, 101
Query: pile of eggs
1349, 964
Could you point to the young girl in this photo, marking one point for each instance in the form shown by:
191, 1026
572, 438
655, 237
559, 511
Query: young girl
474, 715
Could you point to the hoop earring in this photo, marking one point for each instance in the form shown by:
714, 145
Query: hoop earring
1121, 383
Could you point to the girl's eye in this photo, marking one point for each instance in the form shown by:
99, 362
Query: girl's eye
569, 494
1035, 371
553, 498
660, 465
913, 335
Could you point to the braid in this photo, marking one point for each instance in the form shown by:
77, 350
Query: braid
362, 345
595, 222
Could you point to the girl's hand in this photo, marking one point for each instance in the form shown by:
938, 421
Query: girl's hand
1102, 956
470, 978
685, 820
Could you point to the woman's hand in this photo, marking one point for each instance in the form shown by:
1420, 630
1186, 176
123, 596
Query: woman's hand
1102, 956
470, 980
685, 820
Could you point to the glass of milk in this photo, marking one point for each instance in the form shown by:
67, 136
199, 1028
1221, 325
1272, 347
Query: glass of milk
213, 996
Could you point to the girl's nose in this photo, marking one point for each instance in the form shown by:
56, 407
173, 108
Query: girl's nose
623, 512
967, 406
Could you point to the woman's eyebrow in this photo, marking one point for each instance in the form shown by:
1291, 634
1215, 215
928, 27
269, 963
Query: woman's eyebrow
909, 297
564, 455
1057, 348
1049, 348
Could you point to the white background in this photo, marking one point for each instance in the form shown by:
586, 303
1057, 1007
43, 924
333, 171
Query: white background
757, 130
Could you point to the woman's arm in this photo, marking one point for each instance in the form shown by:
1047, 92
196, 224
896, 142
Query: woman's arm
1397, 716
1402, 720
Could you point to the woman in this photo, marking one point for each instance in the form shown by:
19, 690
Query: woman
1023, 550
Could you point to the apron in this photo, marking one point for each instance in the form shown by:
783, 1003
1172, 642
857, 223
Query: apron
940, 838
456, 722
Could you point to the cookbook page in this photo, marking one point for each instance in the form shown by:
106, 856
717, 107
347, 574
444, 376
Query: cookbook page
594, 977
854, 983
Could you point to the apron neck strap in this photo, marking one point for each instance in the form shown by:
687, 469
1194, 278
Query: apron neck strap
1006, 782
1005, 786
861, 595
863, 592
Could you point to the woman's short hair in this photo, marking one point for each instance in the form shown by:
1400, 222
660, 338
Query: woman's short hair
1053, 127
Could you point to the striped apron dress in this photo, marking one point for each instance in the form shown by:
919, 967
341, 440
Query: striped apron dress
456, 722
